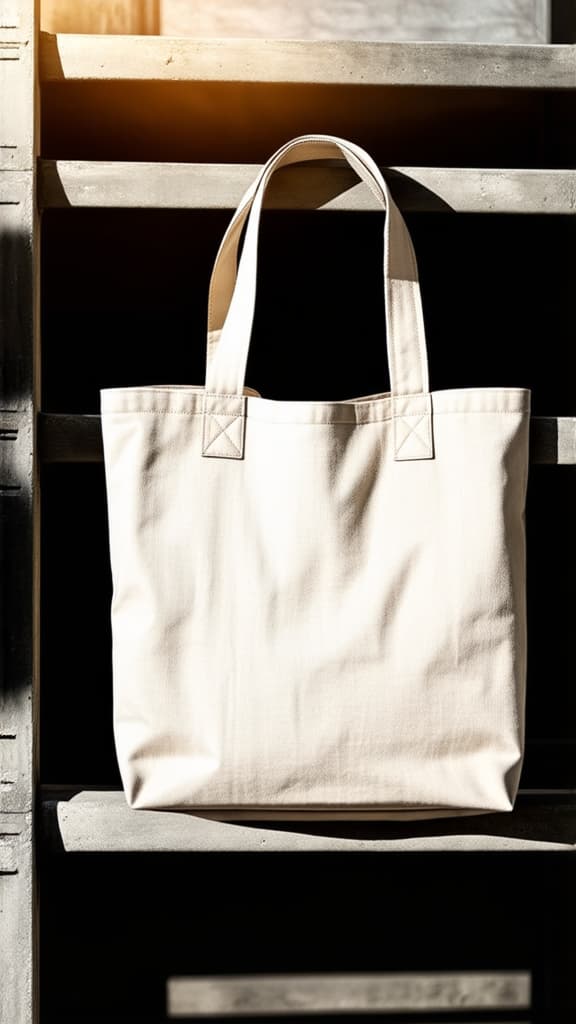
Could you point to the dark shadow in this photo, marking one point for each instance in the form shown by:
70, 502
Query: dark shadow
63, 438
51, 191
534, 819
544, 440
412, 196
50, 56
553, 824
562, 21
244, 122
314, 188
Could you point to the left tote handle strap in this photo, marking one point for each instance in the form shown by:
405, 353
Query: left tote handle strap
406, 343
223, 277
229, 344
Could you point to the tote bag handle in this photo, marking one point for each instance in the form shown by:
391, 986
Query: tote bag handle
223, 276
230, 316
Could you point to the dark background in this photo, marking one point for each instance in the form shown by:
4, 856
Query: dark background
124, 303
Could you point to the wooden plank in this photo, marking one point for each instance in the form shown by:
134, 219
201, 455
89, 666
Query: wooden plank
139, 185
17, 913
18, 498
18, 389
566, 445
17, 87
312, 994
459, 65
102, 822
17, 493
110, 16
69, 438
76, 438
19, 534
456, 20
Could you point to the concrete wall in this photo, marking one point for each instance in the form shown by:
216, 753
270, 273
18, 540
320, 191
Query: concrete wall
505, 21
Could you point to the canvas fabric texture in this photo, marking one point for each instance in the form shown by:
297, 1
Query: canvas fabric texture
318, 607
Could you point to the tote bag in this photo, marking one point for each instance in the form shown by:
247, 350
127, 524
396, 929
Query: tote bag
318, 606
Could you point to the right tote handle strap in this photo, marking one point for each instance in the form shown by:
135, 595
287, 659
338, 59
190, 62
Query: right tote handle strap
230, 320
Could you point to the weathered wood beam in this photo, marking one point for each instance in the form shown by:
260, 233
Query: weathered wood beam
313, 994
69, 438
19, 505
70, 57
511, 21
75, 438
102, 822
114, 184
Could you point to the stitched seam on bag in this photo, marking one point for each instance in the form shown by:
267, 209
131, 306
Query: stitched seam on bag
389, 326
382, 419
314, 423
198, 391
224, 394
422, 350
413, 431
223, 431
486, 412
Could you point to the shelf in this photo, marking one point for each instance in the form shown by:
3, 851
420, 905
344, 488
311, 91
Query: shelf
102, 822
72, 57
140, 185
386, 993
70, 438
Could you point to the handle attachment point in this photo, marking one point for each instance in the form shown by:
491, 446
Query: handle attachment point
413, 428
223, 426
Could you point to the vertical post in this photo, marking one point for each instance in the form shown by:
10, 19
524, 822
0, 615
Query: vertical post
19, 393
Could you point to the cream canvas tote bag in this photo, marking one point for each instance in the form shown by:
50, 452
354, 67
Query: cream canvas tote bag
318, 607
